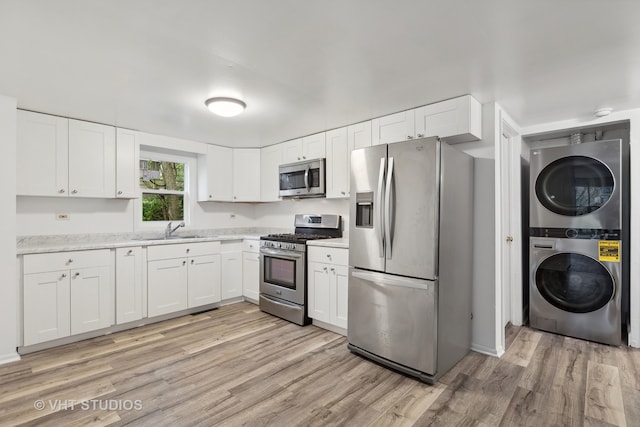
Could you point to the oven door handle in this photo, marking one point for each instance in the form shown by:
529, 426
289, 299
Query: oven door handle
282, 254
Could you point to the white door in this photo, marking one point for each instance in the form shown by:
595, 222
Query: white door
231, 276
92, 159
215, 174
46, 306
246, 175
339, 295
42, 160
204, 280
338, 163
128, 284
91, 299
359, 135
313, 146
270, 160
392, 128
319, 291
292, 151
166, 286
127, 163
251, 276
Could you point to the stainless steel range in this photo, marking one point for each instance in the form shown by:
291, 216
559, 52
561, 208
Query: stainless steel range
283, 266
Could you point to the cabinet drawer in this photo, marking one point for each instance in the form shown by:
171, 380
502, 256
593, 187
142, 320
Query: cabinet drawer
231, 246
336, 256
251, 245
40, 263
182, 250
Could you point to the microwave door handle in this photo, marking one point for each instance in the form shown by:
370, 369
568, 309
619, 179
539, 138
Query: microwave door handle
388, 209
378, 217
306, 178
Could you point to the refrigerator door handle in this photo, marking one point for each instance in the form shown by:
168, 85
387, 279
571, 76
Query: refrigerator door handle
306, 179
378, 219
392, 281
388, 220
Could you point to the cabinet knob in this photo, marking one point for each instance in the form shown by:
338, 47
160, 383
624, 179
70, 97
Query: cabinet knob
184, 262
420, 135
130, 251
409, 136
192, 261
74, 192
63, 276
61, 190
304, 157
329, 256
76, 275
234, 197
188, 250
298, 158
333, 270
343, 193
119, 192
210, 196
70, 261
324, 268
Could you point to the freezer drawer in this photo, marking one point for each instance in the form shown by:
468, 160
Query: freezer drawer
394, 317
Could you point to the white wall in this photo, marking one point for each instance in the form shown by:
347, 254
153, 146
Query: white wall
9, 299
280, 214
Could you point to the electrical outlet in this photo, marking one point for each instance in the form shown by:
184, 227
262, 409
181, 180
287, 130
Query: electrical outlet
62, 217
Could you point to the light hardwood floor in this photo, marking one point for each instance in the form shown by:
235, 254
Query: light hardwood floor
238, 366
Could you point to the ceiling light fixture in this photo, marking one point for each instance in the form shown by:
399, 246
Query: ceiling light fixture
225, 107
601, 112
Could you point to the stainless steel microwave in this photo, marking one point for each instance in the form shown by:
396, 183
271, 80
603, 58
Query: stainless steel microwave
303, 179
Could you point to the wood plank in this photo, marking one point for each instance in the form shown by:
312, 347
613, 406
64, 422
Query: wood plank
603, 394
523, 347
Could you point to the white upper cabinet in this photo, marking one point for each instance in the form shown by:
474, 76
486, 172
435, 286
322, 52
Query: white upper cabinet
359, 135
63, 157
455, 120
392, 128
246, 175
42, 155
292, 151
270, 160
215, 171
92, 159
127, 163
313, 146
338, 163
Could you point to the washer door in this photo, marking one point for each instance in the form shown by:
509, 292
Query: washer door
575, 283
574, 185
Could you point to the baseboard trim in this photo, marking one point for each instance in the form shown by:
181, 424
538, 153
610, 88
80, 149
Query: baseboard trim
9, 357
479, 348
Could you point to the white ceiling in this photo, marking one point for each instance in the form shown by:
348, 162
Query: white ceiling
307, 66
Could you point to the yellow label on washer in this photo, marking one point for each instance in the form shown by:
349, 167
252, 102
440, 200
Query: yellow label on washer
609, 250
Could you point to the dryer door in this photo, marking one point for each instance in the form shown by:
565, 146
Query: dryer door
574, 185
575, 283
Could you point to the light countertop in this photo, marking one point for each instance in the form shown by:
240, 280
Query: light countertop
341, 242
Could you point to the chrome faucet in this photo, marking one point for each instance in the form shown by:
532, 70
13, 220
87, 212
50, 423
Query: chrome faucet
169, 231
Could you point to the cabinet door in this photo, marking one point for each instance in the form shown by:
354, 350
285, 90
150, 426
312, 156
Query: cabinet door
91, 299
231, 277
313, 146
203, 280
42, 155
46, 307
338, 163
251, 276
392, 128
339, 295
166, 286
359, 135
246, 175
455, 120
319, 289
270, 160
127, 163
292, 151
128, 284
92, 159
215, 172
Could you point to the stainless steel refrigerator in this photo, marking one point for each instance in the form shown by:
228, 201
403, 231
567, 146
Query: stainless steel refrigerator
410, 256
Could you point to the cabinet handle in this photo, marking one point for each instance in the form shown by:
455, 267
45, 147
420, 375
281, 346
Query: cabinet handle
303, 157
188, 250
130, 251
298, 158
343, 193
76, 275
74, 192
324, 268
192, 261
119, 192
420, 135
329, 256
333, 270
63, 276
184, 262
409, 136
61, 190
70, 261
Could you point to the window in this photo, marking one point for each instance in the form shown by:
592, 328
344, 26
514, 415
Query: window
162, 184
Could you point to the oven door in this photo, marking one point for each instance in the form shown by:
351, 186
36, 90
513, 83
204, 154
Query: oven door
282, 274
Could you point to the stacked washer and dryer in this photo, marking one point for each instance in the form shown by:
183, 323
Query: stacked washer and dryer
578, 240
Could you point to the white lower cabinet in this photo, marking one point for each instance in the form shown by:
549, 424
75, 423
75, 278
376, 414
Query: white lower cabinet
251, 270
181, 276
327, 283
231, 276
66, 293
129, 285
